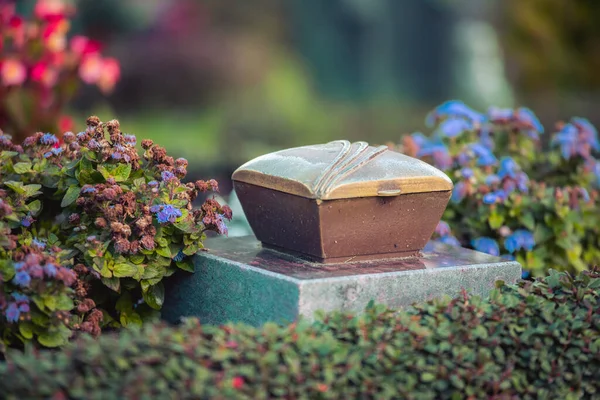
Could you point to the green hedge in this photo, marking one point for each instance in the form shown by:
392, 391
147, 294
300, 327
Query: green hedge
535, 340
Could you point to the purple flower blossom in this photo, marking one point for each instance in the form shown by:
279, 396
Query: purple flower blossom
93, 144
167, 176
437, 150
459, 192
567, 140
50, 270
442, 229
48, 139
463, 159
450, 240
584, 194
522, 181
221, 227
12, 313
453, 108
486, 139
525, 274
466, 173
27, 221
153, 184
48, 154
588, 133
24, 308
81, 135
520, 239
508, 167
22, 279
486, 245
527, 117
453, 127
167, 213
490, 198
19, 298
57, 151
131, 139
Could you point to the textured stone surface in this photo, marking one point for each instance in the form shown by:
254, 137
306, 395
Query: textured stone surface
237, 280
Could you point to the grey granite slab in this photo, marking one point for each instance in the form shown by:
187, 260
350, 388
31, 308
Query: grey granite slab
238, 280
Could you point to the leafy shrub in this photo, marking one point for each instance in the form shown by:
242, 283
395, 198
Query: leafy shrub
40, 69
90, 225
536, 340
512, 197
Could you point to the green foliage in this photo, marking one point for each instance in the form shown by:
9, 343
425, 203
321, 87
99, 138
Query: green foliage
534, 340
111, 223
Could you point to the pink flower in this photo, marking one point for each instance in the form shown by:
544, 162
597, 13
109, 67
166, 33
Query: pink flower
54, 35
111, 72
51, 9
237, 382
65, 124
83, 46
13, 72
44, 74
90, 69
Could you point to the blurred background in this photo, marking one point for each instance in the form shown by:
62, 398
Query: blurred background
222, 81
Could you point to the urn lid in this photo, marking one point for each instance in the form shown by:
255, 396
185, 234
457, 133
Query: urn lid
342, 170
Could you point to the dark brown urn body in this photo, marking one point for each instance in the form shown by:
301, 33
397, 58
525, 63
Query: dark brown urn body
340, 202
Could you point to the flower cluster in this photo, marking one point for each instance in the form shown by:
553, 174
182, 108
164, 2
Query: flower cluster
125, 221
40, 66
511, 197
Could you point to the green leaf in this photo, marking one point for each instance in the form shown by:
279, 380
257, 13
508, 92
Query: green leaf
125, 270
528, 221
496, 220
120, 172
64, 303
188, 266
112, 283
164, 251
16, 187
50, 303
70, 196
26, 329
137, 258
34, 207
427, 377
22, 167
32, 190
55, 338
155, 296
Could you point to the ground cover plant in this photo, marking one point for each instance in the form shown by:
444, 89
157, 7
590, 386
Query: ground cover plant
513, 196
89, 228
537, 339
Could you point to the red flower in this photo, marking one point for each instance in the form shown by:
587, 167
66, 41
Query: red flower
237, 382
65, 124
51, 10
83, 46
44, 74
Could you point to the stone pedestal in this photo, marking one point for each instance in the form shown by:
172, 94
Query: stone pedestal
240, 281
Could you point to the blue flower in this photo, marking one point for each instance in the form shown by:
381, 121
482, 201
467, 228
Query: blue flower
496, 113
12, 313
442, 228
24, 308
491, 180
57, 151
520, 239
22, 279
26, 221
167, 176
20, 297
88, 189
490, 198
527, 117
589, 134
566, 139
81, 135
153, 184
522, 181
453, 108
459, 192
48, 154
508, 257
525, 274
466, 173
484, 156
155, 208
48, 139
38, 243
463, 158
93, 144
50, 270
168, 213
508, 167
438, 151
453, 127
450, 240
19, 265
585, 195
486, 245
486, 139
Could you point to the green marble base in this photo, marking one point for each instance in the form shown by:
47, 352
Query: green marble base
238, 280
